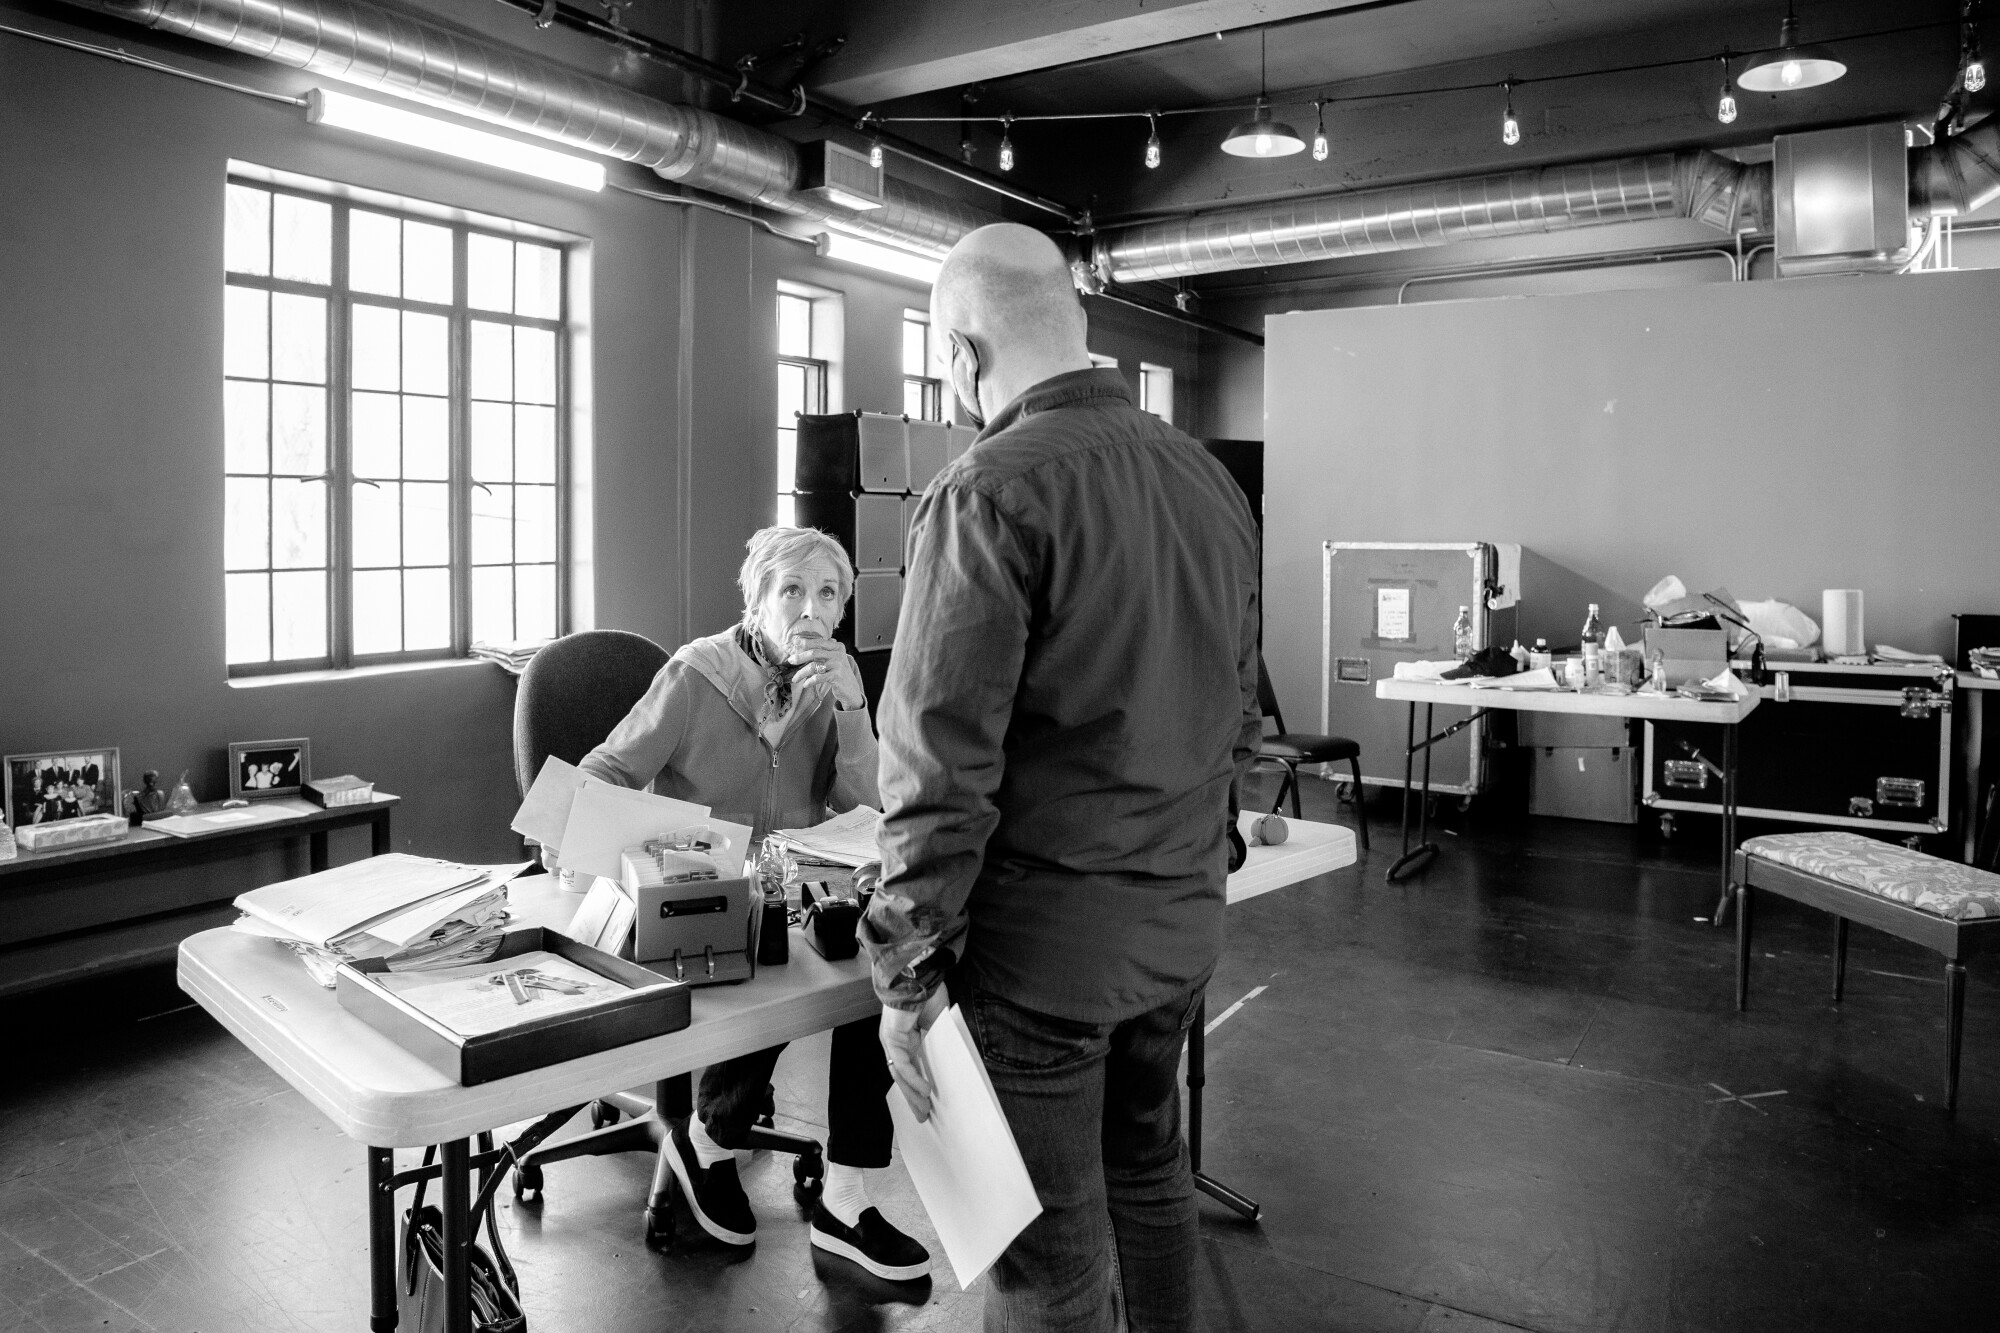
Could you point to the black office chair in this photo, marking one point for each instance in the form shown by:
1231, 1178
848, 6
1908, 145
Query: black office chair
1292, 748
571, 696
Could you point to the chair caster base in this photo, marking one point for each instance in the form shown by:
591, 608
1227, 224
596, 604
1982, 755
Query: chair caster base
809, 1172
660, 1230
528, 1183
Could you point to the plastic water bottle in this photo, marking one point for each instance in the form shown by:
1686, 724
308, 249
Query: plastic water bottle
1461, 634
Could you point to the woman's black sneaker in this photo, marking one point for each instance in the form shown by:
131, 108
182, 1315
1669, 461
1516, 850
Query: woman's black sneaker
872, 1243
714, 1192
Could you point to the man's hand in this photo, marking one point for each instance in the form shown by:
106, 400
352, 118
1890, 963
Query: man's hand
903, 1042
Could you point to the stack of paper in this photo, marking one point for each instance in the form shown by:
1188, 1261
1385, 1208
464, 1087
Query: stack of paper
844, 840
416, 912
591, 823
512, 658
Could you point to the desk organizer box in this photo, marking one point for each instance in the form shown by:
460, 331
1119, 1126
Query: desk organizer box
67, 833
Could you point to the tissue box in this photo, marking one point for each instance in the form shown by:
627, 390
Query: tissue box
79, 832
344, 790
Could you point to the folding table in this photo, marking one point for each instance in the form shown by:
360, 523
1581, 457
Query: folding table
1482, 700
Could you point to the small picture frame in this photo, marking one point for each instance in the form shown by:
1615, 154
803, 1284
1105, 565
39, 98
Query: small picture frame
264, 770
61, 784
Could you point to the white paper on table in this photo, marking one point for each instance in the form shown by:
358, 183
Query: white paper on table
963, 1160
324, 907
846, 839
212, 821
604, 820
545, 813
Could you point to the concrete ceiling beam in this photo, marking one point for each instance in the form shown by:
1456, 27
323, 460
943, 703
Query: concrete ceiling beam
893, 52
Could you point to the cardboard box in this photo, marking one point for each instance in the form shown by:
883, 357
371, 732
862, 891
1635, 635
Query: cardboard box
1584, 782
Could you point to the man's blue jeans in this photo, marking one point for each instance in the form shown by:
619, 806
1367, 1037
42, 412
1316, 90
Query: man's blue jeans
1097, 1114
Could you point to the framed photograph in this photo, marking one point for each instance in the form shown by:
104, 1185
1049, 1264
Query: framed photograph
61, 784
260, 770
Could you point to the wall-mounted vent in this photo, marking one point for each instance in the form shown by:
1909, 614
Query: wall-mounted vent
1842, 199
840, 176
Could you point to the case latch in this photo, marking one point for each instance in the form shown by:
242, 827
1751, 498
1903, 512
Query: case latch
1920, 703
1905, 792
1685, 775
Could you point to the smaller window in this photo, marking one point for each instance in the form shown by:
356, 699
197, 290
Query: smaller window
923, 390
1156, 391
802, 377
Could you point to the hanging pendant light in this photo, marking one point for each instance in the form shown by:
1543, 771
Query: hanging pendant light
1971, 63
1510, 127
1153, 140
1320, 147
1792, 66
1261, 136
1725, 105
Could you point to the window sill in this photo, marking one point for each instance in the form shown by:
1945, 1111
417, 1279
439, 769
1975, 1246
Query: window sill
357, 673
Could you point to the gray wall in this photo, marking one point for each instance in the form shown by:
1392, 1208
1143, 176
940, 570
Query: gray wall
111, 192
1776, 437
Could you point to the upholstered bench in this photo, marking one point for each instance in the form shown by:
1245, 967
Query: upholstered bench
1941, 905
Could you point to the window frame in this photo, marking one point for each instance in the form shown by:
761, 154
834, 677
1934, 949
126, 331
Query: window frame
818, 370
1151, 376
930, 387
339, 476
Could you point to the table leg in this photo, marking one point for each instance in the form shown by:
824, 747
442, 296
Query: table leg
456, 1205
1197, 1051
1425, 848
1728, 821
316, 842
381, 1242
379, 834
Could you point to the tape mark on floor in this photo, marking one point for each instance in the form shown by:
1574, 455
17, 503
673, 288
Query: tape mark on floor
1225, 1015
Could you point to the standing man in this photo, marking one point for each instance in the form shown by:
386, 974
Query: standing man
1073, 695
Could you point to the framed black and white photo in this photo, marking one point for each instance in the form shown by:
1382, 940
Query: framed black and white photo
61, 784
259, 770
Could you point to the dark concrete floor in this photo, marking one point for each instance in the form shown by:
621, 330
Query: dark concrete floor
1490, 1098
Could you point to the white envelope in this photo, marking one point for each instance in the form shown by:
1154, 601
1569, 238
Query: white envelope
604, 820
963, 1160
545, 813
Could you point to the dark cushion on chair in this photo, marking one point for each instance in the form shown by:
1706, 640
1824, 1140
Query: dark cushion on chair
1305, 748
575, 691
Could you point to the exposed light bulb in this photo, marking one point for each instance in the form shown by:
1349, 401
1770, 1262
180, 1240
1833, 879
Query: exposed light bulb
1975, 75
1791, 73
1006, 152
875, 154
1319, 135
1153, 143
1510, 128
1725, 109
1263, 145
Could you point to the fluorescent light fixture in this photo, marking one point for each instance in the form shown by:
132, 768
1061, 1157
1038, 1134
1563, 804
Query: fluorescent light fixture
343, 111
883, 258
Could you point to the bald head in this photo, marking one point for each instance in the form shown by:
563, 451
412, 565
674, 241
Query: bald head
1005, 294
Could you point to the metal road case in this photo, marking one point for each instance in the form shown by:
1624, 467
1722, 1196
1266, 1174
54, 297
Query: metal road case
1863, 747
1389, 602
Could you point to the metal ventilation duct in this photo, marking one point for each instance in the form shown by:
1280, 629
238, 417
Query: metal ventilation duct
1692, 184
369, 47
1957, 176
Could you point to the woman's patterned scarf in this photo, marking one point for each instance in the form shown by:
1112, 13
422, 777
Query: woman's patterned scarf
777, 676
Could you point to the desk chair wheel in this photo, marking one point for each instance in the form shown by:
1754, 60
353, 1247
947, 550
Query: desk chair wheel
660, 1230
528, 1182
602, 1114
809, 1171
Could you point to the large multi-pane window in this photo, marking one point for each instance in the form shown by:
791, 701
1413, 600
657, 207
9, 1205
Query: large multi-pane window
801, 387
393, 404
923, 391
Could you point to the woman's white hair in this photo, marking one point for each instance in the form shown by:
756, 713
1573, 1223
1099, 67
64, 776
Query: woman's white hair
771, 549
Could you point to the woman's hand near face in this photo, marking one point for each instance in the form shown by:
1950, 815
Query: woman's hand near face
825, 660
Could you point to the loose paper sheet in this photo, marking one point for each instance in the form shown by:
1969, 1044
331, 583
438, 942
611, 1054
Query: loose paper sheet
963, 1160
323, 907
604, 820
545, 814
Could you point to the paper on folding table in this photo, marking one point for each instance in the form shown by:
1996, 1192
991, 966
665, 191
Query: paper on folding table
605, 820
963, 1160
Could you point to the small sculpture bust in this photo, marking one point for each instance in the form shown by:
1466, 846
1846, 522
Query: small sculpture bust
149, 798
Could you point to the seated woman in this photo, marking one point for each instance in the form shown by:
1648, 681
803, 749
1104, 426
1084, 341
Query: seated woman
767, 725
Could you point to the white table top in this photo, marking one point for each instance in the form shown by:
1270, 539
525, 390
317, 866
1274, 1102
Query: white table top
377, 1092
1652, 707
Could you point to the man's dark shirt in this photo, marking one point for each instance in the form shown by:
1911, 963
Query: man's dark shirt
1073, 692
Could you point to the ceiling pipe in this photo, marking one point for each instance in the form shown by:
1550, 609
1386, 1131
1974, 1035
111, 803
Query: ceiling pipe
793, 101
362, 45
1691, 184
